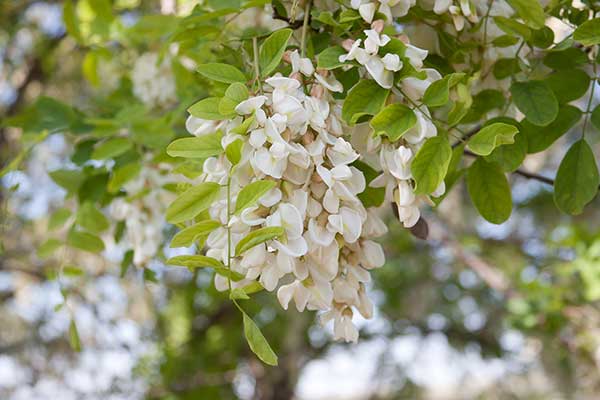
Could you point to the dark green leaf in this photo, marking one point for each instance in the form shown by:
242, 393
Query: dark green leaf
489, 190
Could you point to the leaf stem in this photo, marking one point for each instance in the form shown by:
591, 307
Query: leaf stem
305, 28
256, 67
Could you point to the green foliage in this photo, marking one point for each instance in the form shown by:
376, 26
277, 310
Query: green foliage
536, 100
393, 121
257, 237
85, 241
222, 73
186, 237
491, 137
196, 147
364, 99
192, 202
577, 179
489, 191
588, 33
251, 193
257, 342
431, 164
272, 50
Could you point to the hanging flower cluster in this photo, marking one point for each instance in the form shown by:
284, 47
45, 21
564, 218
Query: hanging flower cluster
143, 211
292, 137
395, 157
153, 81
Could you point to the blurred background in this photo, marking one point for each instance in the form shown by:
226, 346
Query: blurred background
475, 311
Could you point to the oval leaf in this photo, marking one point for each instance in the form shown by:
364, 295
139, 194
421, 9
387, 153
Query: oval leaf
393, 121
257, 237
588, 33
492, 136
196, 147
536, 100
489, 190
430, 165
250, 194
272, 50
192, 202
186, 237
365, 98
222, 73
257, 342
577, 179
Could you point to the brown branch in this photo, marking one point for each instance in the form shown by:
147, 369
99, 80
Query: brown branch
524, 174
293, 24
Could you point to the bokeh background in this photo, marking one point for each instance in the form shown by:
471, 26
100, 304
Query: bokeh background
475, 311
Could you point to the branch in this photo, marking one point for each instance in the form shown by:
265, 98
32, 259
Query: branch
293, 24
524, 174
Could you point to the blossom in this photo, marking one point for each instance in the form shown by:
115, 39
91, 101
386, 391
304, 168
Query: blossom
153, 80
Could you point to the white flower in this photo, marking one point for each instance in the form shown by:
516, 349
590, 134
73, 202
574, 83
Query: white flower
250, 105
295, 290
372, 255
199, 126
374, 41
271, 161
347, 222
341, 153
303, 65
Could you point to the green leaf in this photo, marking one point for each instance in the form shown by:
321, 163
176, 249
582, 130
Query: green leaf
222, 73
505, 67
234, 95
510, 156
540, 138
588, 33
250, 194
438, 93
85, 241
371, 196
122, 175
595, 117
577, 179
91, 219
74, 340
536, 100
568, 84
393, 121
69, 179
365, 98
271, 51
257, 342
565, 59
196, 147
70, 20
489, 190
207, 108
58, 218
186, 237
532, 12
257, 237
195, 261
192, 202
48, 248
512, 27
200, 261
492, 136
233, 151
111, 148
430, 165
330, 58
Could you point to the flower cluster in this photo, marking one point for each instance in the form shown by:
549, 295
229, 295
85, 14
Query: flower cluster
296, 139
395, 158
389, 8
143, 213
153, 81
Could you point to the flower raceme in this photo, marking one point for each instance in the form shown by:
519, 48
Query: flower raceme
293, 141
285, 179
